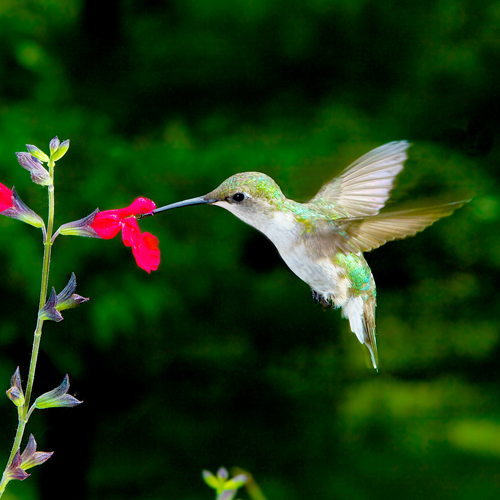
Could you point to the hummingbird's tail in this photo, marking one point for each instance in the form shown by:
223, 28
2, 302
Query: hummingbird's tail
361, 316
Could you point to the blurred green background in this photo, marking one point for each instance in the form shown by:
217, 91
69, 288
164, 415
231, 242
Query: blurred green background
221, 357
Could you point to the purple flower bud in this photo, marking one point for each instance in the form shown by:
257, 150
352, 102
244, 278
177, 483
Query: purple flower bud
54, 145
16, 396
57, 398
222, 473
39, 174
15, 392
15, 380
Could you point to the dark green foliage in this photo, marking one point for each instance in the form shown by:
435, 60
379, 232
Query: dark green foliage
221, 357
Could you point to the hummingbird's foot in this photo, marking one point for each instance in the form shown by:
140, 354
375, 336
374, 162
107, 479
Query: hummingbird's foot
320, 299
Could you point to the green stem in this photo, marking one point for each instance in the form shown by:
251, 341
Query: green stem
23, 411
43, 297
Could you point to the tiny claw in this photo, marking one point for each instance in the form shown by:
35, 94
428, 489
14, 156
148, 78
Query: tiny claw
320, 299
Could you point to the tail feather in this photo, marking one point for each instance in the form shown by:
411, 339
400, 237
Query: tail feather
361, 315
369, 330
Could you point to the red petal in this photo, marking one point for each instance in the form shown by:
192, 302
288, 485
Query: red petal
5, 198
147, 253
140, 206
131, 233
107, 224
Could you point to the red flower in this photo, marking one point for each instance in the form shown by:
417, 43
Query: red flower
5, 198
109, 223
144, 246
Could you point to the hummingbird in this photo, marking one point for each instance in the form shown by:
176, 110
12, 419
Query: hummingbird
323, 241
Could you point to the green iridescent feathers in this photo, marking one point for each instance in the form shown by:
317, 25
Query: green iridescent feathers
255, 184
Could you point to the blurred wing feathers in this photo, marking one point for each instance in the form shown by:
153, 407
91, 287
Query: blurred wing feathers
363, 187
366, 234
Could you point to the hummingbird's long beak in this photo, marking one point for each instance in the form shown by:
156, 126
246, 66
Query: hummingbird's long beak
192, 201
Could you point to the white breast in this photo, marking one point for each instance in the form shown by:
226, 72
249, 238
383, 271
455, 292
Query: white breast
282, 229
320, 274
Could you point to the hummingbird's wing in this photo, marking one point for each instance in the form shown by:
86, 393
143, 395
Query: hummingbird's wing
369, 233
364, 186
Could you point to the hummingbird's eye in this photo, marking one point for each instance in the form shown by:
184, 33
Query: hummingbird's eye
238, 197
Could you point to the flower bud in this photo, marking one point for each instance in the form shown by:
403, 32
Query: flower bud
57, 397
39, 174
37, 153
225, 489
67, 299
60, 151
15, 392
222, 473
54, 145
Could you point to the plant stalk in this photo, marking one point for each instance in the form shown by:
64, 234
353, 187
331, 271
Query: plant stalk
24, 409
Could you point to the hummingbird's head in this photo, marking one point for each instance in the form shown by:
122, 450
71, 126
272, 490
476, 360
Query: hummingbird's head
251, 196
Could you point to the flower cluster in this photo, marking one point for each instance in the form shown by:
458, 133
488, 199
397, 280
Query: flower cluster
224, 487
109, 223
104, 225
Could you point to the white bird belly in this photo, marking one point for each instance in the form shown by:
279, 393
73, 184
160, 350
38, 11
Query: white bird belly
321, 275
